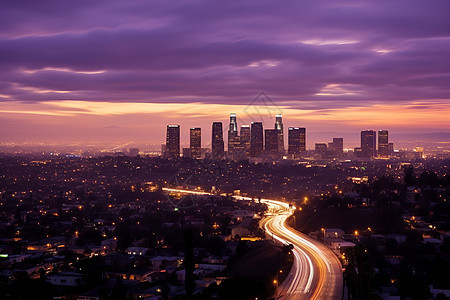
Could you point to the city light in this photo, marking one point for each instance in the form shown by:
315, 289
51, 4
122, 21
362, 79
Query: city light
151, 149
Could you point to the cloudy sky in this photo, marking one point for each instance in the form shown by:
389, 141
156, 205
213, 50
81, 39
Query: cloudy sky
110, 70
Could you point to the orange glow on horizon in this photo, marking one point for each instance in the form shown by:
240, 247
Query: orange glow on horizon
81, 121
422, 114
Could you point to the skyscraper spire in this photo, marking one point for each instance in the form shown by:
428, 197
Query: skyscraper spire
234, 143
279, 128
233, 124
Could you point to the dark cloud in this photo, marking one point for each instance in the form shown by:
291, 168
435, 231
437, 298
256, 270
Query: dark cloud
337, 54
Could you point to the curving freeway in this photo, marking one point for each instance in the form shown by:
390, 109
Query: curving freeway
316, 272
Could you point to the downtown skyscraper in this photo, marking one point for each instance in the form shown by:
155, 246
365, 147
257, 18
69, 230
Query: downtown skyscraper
173, 141
195, 144
296, 141
383, 143
217, 145
279, 128
368, 143
245, 138
256, 140
272, 142
232, 130
234, 142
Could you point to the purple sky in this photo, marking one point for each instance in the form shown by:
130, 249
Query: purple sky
329, 65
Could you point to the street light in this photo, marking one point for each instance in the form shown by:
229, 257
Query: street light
275, 282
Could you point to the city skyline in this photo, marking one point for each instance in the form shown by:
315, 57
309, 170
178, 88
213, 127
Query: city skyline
114, 71
257, 142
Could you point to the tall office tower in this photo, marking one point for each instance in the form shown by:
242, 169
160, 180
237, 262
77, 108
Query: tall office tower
279, 128
296, 141
233, 138
256, 139
320, 148
368, 143
271, 142
383, 143
217, 147
338, 146
173, 141
196, 142
245, 140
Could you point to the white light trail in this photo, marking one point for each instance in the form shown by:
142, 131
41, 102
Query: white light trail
314, 274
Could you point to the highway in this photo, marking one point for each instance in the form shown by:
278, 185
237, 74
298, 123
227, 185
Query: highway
316, 272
